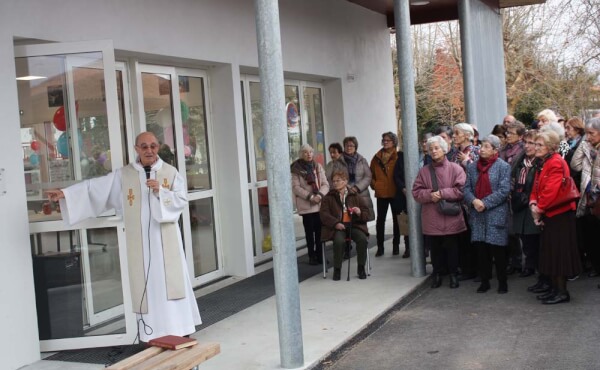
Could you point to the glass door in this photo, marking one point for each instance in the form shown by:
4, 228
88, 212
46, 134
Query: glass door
174, 104
70, 131
304, 122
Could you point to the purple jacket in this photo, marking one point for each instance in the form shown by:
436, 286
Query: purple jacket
451, 179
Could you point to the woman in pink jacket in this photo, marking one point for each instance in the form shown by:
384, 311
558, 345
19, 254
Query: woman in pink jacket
441, 231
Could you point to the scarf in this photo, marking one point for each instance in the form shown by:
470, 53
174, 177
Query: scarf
573, 142
310, 177
351, 161
483, 187
527, 165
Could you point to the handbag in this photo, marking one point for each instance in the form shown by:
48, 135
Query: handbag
445, 207
567, 192
403, 223
518, 201
593, 206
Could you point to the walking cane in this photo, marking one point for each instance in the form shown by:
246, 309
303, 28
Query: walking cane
349, 240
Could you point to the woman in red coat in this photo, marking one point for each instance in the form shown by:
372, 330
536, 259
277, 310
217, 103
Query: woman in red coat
559, 257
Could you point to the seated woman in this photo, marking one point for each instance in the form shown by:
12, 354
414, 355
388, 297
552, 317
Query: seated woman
342, 212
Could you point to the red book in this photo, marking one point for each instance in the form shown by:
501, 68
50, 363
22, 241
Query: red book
172, 342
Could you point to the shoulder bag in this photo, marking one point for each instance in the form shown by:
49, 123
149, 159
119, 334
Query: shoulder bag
567, 192
445, 207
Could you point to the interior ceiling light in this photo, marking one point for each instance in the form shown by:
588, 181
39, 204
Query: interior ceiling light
419, 2
30, 78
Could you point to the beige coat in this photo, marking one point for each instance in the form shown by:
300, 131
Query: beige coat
302, 191
582, 161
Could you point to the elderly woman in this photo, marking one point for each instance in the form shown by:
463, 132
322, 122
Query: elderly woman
587, 161
462, 138
574, 131
500, 132
522, 176
337, 161
309, 186
441, 230
514, 142
559, 257
344, 212
382, 170
486, 194
359, 172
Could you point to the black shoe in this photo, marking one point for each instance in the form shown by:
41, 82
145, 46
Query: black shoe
502, 287
396, 250
346, 254
558, 298
313, 261
538, 284
593, 273
337, 274
361, 272
379, 252
453, 281
543, 288
542, 297
526, 273
573, 278
406, 253
437, 281
463, 277
484, 287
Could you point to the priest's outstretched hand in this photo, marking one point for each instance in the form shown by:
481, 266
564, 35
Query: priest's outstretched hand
55, 194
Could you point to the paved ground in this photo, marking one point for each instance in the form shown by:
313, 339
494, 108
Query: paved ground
460, 329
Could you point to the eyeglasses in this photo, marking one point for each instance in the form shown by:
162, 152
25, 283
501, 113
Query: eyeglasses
529, 143
387, 141
538, 145
337, 181
146, 147
510, 133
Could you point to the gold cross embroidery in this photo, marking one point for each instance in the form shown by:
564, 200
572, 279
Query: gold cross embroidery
165, 183
130, 197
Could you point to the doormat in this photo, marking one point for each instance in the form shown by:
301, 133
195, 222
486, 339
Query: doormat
101, 355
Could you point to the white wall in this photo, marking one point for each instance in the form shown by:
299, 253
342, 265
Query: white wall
325, 40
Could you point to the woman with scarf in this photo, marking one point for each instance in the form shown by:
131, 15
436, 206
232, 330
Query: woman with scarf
344, 213
462, 138
382, 170
522, 176
559, 257
486, 193
309, 186
359, 172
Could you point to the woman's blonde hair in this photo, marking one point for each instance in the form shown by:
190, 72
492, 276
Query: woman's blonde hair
550, 138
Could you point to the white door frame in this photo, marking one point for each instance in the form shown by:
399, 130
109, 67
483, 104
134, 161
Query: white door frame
107, 50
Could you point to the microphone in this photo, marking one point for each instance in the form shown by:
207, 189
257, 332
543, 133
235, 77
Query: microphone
147, 170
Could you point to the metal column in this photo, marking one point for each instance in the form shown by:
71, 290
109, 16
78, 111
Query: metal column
410, 134
464, 11
287, 293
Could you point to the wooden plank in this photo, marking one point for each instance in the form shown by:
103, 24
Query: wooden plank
191, 357
159, 359
136, 359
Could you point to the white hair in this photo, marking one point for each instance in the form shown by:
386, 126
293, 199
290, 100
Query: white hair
305, 148
440, 141
556, 127
549, 114
466, 129
594, 123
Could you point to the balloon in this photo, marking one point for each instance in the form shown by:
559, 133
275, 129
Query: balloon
187, 151
62, 144
185, 111
84, 162
59, 119
163, 118
107, 165
35, 145
102, 158
34, 159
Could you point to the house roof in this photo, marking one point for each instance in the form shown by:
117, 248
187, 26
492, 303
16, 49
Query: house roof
434, 10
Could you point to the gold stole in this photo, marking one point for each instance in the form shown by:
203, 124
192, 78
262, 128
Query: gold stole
132, 198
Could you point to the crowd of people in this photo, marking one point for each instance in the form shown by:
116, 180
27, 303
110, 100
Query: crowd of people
518, 200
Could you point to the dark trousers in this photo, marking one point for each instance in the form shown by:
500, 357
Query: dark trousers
515, 254
382, 208
312, 230
339, 243
467, 253
488, 252
588, 227
531, 250
444, 252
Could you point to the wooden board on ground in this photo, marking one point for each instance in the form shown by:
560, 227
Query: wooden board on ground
157, 358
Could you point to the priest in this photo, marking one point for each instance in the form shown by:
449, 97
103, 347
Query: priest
151, 195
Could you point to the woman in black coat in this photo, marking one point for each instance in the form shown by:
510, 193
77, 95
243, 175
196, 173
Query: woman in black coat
400, 199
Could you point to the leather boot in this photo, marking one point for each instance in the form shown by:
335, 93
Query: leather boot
453, 281
558, 298
361, 272
437, 281
379, 252
337, 274
484, 286
406, 253
551, 293
396, 250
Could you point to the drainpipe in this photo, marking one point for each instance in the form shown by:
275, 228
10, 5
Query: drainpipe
410, 134
465, 18
287, 292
